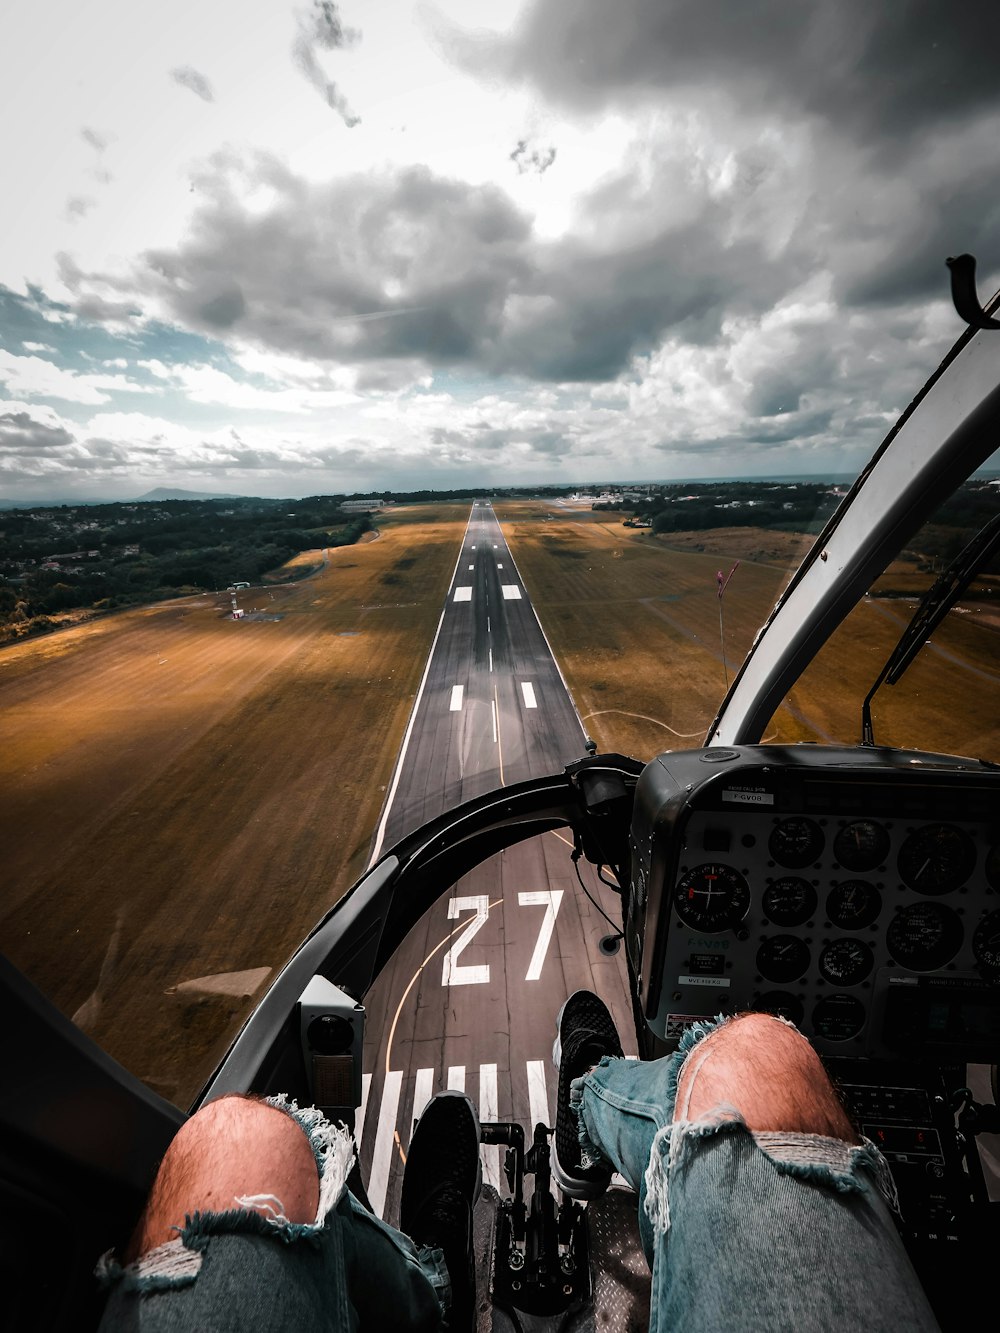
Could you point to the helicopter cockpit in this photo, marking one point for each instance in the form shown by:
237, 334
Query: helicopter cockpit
852, 888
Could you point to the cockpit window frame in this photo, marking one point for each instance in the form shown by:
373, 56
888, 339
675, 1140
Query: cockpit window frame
948, 431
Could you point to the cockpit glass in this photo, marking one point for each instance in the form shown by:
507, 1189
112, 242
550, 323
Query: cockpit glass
946, 699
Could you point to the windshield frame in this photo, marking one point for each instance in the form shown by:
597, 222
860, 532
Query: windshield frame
939, 441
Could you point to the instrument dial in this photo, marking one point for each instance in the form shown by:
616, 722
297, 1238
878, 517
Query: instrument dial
986, 945
796, 842
838, 1017
861, 845
712, 897
924, 936
936, 859
782, 957
853, 904
846, 962
789, 901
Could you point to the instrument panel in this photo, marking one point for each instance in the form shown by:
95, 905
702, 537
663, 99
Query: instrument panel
855, 892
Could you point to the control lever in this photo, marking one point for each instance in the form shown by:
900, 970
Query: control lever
542, 1252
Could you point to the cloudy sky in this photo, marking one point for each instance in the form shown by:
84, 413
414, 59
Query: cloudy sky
284, 250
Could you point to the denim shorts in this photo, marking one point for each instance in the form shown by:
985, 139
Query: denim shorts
748, 1230
245, 1268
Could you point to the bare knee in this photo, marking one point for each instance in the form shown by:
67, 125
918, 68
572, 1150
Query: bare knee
766, 1070
233, 1148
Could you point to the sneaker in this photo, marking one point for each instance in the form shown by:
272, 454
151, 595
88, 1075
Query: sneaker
585, 1031
441, 1182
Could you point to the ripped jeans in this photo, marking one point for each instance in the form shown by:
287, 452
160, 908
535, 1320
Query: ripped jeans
748, 1230
244, 1269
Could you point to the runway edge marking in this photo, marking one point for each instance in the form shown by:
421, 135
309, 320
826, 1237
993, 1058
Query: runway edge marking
400, 759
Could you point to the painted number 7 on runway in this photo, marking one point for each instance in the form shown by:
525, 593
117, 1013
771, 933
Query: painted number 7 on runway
454, 973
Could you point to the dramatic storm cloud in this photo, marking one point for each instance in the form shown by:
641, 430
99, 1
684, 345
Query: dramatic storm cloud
564, 241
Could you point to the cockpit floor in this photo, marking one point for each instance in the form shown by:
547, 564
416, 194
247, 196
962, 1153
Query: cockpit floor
620, 1272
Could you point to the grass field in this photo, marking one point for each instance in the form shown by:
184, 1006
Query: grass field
183, 795
634, 622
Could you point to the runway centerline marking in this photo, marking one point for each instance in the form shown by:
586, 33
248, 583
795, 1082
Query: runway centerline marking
491, 659
456, 697
528, 690
496, 725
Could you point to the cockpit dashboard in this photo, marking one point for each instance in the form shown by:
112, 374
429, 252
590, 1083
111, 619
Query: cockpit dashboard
853, 891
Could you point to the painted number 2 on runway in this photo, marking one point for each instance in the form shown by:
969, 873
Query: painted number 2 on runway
454, 973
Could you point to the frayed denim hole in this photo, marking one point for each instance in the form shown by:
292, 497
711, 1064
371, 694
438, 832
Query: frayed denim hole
199, 1228
671, 1150
164, 1268
847, 1168
333, 1149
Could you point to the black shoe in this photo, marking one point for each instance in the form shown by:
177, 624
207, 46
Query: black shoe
585, 1031
441, 1183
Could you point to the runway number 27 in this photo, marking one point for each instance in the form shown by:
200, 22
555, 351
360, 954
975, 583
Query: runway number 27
454, 973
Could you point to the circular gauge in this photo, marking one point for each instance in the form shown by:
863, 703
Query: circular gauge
795, 842
853, 904
846, 962
936, 859
781, 1003
712, 897
782, 957
986, 945
862, 845
838, 1017
789, 901
924, 936
993, 866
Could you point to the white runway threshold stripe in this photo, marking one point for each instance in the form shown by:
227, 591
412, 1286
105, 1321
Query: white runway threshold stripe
396, 1115
463, 594
456, 697
511, 592
378, 1182
528, 690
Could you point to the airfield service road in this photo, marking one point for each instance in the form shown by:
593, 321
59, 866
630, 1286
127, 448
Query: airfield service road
470, 999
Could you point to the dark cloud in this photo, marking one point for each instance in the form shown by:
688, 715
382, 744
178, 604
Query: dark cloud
97, 141
486, 441
428, 272
21, 433
883, 71
191, 78
321, 29
78, 206
409, 267
529, 159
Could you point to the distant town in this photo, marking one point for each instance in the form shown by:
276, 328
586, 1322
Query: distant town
60, 562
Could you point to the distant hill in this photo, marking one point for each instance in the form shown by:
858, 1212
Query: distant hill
175, 493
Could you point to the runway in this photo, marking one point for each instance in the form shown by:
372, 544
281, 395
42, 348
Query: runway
470, 999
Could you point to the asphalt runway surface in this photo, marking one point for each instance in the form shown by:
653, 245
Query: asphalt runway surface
470, 999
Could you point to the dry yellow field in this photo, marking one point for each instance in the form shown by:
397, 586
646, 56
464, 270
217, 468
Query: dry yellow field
634, 622
183, 796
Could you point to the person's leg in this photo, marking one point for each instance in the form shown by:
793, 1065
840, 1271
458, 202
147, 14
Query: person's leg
759, 1204
249, 1224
